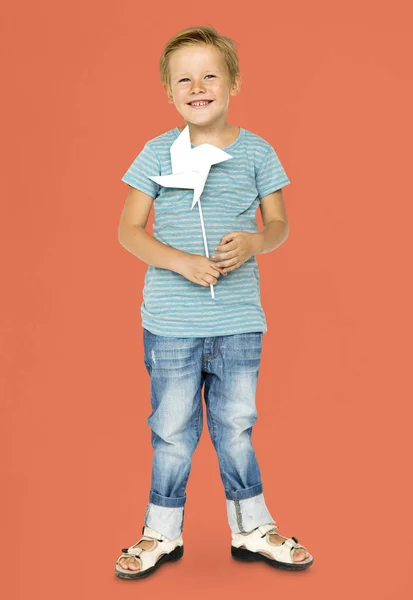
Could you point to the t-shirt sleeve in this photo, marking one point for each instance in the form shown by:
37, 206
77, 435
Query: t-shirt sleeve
145, 164
270, 175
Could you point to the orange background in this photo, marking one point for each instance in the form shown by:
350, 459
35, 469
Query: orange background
330, 87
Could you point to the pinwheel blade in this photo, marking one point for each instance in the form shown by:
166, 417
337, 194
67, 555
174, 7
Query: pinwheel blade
184, 180
208, 154
180, 152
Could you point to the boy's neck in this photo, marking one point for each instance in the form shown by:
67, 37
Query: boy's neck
220, 136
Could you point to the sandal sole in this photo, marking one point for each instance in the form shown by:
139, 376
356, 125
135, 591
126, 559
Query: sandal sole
249, 556
171, 557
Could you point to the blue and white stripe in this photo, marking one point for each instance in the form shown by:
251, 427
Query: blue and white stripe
172, 305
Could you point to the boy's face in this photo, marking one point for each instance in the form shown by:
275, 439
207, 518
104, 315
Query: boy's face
199, 72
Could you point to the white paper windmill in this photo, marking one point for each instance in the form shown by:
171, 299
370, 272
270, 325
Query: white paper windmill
190, 169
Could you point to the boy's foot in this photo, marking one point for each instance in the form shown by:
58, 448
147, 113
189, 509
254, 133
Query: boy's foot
263, 543
147, 555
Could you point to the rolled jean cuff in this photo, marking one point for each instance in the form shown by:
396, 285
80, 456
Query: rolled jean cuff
248, 514
245, 493
166, 520
155, 498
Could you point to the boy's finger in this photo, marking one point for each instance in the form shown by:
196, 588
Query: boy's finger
216, 272
225, 255
226, 247
214, 265
228, 263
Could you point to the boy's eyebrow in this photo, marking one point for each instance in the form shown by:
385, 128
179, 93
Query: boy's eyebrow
216, 70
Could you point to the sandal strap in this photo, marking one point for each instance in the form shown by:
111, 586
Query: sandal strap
152, 534
136, 550
292, 543
132, 551
267, 528
128, 555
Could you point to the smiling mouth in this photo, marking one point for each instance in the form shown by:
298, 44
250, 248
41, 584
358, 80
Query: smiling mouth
200, 105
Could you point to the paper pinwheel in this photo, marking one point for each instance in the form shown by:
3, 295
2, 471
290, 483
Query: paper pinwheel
190, 168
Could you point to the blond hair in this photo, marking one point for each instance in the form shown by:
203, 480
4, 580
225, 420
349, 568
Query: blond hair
200, 35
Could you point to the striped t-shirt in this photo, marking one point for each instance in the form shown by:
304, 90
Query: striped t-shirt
172, 305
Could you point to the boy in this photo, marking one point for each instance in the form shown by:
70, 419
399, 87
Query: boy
189, 337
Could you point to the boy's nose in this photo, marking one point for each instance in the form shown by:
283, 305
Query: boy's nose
197, 87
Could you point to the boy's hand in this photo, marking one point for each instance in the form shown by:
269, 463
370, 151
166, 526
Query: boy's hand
236, 248
199, 269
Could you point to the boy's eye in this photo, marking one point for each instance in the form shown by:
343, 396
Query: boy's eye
188, 78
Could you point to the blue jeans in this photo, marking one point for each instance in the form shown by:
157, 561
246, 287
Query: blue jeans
179, 367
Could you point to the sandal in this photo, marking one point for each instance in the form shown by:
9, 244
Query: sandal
257, 546
162, 550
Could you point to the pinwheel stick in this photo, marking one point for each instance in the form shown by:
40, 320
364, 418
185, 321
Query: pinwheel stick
190, 168
205, 243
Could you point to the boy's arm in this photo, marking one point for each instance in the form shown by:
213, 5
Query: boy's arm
133, 236
275, 221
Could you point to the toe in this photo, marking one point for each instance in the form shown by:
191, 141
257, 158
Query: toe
133, 564
124, 563
299, 555
129, 564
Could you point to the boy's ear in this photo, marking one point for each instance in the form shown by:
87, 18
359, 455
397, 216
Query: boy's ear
170, 97
236, 86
